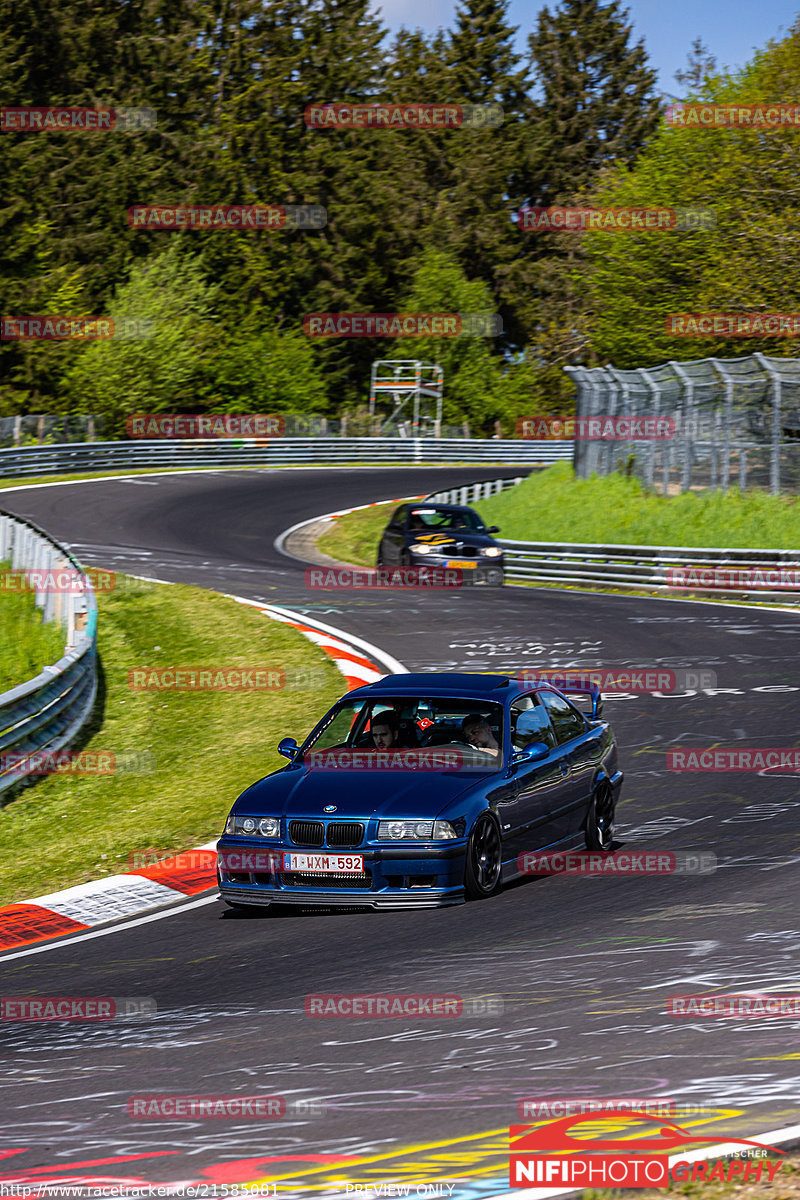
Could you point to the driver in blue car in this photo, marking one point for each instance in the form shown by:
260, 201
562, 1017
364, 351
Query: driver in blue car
478, 733
385, 730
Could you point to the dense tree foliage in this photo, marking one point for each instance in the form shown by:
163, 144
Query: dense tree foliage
416, 218
750, 261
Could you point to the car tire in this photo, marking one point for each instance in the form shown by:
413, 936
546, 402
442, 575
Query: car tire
484, 861
599, 831
379, 561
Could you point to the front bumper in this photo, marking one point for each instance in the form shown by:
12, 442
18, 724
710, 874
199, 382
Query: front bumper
393, 877
488, 572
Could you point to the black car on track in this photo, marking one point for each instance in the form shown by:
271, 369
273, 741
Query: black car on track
444, 536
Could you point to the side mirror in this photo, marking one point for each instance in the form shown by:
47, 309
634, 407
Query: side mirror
493, 529
533, 752
288, 747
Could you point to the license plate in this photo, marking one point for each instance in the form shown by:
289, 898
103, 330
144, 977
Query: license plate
324, 864
461, 562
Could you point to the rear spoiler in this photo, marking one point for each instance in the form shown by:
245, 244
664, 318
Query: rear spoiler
574, 689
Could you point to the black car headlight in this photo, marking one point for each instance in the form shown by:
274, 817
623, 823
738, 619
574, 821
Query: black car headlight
415, 831
491, 551
420, 548
269, 827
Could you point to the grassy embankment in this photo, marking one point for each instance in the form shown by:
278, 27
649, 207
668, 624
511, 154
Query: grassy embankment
206, 747
552, 506
26, 645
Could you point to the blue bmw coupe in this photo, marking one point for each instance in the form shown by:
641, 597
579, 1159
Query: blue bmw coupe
423, 790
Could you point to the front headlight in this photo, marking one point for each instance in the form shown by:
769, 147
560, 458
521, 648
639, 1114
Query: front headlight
269, 827
405, 831
491, 551
415, 831
420, 548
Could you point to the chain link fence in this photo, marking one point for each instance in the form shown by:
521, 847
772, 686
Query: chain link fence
736, 423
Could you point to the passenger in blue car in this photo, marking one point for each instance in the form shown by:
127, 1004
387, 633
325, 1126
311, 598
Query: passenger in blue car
478, 733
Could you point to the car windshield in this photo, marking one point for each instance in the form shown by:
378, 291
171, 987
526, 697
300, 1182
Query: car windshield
471, 729
436, 518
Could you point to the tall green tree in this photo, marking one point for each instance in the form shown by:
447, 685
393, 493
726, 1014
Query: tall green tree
749, 261
599, 105
597, 110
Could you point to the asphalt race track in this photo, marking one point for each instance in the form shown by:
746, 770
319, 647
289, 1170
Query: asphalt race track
584, 966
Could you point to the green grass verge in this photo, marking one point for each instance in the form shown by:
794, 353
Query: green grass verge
207, 746
553, 506
27, 645
354, 538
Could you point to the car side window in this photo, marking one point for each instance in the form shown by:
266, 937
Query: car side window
567, 722
537, 727
399, 517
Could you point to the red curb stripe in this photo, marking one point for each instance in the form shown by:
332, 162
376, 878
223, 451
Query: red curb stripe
354, 656
21, 924
189, 880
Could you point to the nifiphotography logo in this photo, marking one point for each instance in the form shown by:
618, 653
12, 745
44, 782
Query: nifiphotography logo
548, 1156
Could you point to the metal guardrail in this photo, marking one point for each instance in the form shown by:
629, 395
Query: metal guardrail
646, 567
471, 493
229, 452
47, 713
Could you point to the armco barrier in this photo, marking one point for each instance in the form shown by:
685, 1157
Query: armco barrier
169, 455
47, 713
644, 568
471, 493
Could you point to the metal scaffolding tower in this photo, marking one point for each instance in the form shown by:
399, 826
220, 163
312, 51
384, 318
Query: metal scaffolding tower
402, 380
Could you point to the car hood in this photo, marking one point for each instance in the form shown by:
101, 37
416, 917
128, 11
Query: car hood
465, 536
303, 792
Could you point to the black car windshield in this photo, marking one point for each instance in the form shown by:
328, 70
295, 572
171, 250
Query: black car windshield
435, 518
413, 731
